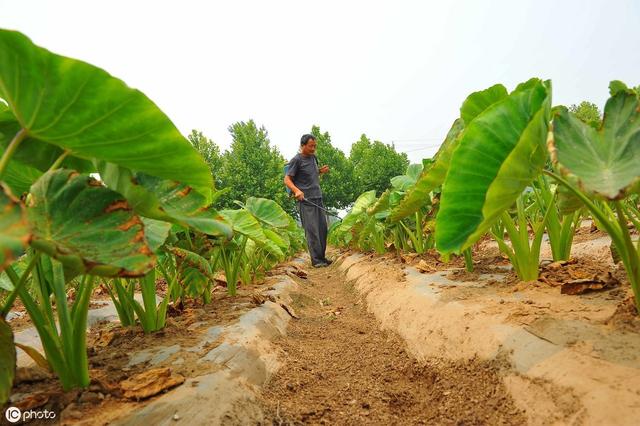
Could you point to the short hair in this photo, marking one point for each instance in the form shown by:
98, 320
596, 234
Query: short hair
306, 138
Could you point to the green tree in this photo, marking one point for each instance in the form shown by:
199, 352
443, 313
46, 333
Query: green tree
587, 112
338, 186
210, 151
252, 168
374, 164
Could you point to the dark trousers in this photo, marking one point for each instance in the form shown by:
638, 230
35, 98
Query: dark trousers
314, 222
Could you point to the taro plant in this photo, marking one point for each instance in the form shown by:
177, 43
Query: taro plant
60, 204
435, 171
604, 164
122, 293
347, 232
498, 147
152, 316
61, 119
501, 150
261, 221
401, 184
63, 335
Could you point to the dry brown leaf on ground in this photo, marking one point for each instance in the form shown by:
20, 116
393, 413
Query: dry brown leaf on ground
150, 383
105, 338
100, 382
598, 282
294, 272
220, 279
299, 271
559, 264
31, 374
424, 267
32, 401
409, 257
258, 299
288, 309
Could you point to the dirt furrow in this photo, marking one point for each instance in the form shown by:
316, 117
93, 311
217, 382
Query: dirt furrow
340, 368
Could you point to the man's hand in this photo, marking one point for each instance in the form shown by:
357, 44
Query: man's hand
299, 195
324, 169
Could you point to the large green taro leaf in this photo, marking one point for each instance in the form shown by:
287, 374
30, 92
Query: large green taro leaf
407, 180
20, 177
357, 214
381, 204
479, 101
431, 177
363, 202
246, 224
500, 152
7, 361
156, 232
267, 212
434, 175
88, 227
280, 240
33, 152
165, 200
195, 270
5, 282
604, 161
14, 228
81, 108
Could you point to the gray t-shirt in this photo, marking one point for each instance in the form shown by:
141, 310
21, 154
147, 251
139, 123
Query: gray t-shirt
305, 175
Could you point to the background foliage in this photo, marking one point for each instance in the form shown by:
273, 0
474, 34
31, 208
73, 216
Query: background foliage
374, 164
254, 167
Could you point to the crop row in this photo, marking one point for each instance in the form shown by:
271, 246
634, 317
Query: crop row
514, 167
149, 217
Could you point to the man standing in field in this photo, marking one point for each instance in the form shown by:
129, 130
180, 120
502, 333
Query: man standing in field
303, 179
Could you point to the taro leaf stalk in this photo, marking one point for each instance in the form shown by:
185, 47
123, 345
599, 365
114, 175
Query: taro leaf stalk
7, 361
231, 255
122, 296
152, 316
468, 259
523, 253
64, 340
560, 227
604, 163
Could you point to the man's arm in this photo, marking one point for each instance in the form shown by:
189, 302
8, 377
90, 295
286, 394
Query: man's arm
296, 191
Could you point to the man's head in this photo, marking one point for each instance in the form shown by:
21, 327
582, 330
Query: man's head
308, 145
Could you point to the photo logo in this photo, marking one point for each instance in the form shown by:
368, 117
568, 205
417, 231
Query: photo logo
13, 414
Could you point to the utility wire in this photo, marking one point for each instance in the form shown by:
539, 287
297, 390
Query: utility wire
419, 149
417, 140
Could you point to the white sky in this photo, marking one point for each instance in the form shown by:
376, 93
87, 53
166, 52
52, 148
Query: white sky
395, 70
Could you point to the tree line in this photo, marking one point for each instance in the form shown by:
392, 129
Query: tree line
253, 166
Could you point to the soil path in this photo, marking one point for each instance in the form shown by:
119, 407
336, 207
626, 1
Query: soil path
340, 368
